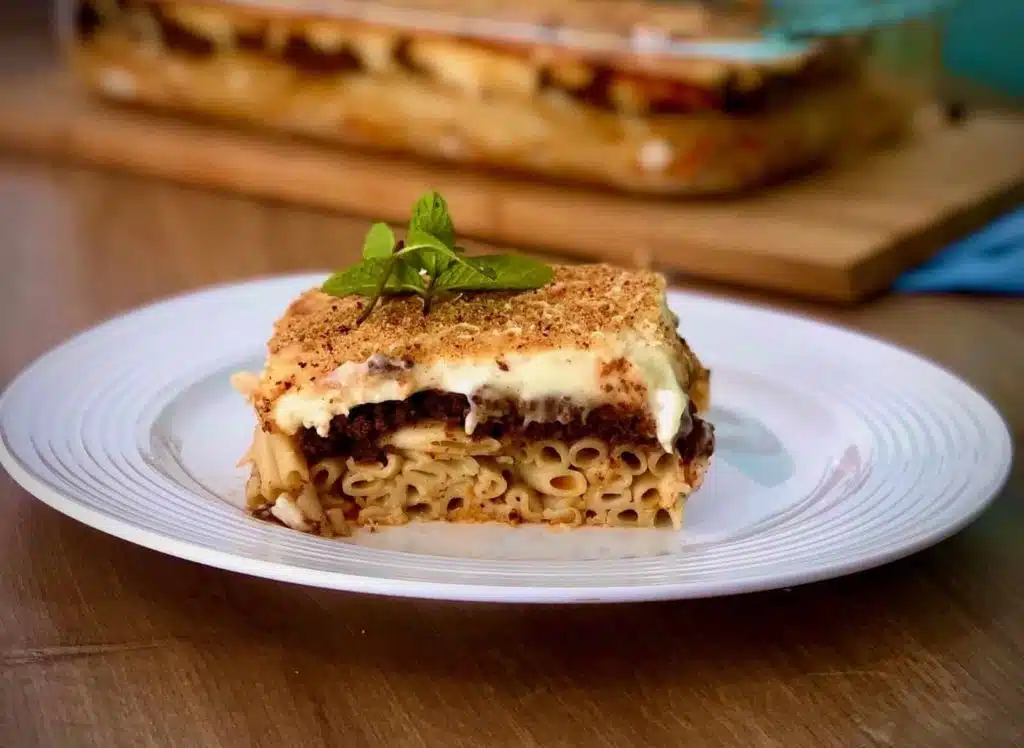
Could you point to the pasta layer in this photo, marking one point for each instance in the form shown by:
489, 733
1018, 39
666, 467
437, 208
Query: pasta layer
436, 473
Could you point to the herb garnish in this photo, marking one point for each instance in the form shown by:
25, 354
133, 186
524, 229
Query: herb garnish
429, 262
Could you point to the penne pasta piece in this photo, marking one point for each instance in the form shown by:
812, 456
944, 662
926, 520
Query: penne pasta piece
588, 454
327, 473
554, 480
661, 463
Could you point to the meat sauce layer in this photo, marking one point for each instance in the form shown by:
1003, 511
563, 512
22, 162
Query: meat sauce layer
360, 433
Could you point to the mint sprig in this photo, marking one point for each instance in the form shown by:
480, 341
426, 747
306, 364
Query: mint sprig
429, 263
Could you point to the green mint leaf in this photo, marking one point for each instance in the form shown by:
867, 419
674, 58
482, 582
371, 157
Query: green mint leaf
421, 245
363, 279
379, 242
405, 278
430, 215
508, 273
358, 280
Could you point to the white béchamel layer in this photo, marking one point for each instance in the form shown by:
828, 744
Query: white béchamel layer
587, 378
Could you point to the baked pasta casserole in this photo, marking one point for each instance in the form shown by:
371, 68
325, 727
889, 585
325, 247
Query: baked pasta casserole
584, 90
573, 404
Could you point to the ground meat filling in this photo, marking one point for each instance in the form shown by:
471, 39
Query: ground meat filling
359, 434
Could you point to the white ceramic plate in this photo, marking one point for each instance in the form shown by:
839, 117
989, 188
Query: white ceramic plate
835, 453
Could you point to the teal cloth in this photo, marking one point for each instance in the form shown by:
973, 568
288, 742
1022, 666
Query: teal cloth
983, 44
828, 17
990, 261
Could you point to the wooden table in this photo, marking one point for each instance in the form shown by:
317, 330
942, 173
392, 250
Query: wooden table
103, 643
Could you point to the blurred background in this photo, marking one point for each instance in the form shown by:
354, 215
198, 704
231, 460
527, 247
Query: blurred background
818, 149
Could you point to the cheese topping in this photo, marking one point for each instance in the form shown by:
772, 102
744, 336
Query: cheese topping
586, 378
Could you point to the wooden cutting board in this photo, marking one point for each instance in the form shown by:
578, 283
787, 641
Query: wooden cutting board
841, 235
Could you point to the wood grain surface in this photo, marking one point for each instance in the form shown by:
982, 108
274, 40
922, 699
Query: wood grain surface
103, 643
841, 235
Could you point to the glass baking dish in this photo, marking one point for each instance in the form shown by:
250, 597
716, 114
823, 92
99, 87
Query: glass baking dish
648, 96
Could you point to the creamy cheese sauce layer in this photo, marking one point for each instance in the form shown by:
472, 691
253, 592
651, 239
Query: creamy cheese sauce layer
587, 378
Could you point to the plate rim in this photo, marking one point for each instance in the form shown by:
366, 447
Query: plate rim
65, 503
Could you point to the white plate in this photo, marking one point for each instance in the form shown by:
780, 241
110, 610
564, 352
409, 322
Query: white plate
835, 453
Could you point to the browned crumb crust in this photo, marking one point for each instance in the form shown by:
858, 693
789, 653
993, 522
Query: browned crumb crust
580, 300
